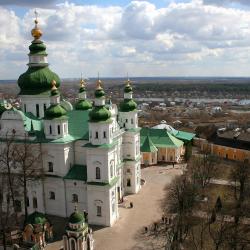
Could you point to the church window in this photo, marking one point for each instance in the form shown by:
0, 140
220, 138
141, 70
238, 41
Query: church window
44, 107
98, 173
96, 135
50, 164
104, 134
73, 245
27, 201
128, 170
111, 171
25, 108
58, 129
52, 195
132, 121
126, 120
99, 211
37, 110
74, 198
128, 183
18, 206
50, 129
34, 202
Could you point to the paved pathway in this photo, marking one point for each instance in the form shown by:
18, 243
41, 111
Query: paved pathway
146, 211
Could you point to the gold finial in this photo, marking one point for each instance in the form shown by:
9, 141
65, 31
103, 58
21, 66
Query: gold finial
36, 32
82, 83
98, 83
128, 81
53, 83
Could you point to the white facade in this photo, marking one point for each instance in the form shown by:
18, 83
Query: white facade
112, 163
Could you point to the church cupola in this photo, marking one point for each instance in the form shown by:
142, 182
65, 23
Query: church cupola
35, 83
55, 119
128, 109
82, 103
100, 124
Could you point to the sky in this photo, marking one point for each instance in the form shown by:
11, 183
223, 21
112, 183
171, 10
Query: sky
141, 38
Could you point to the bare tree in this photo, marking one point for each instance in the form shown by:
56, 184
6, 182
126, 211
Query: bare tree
202, 168
27, 157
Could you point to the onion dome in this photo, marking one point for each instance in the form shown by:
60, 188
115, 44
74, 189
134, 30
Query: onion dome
99, 92
82, 86
36, 218
55, 111
83, 105
99, 114
128, 105
37, 79
76, 218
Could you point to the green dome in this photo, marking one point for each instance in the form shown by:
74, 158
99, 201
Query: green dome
2, 108
83, 105
76, 218
99, 114
128, 105
82, 89
99, 93
37, 80
55, 111
37, 47
128, 89
36, 218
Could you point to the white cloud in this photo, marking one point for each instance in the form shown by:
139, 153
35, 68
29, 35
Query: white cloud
178, 39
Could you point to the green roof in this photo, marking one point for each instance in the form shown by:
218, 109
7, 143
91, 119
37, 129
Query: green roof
110, 184
77, 172
148, 146
36, 218
37, 80
99, 114
55, 111
160, 138
76, 217
83, 105
128, 105
186, 136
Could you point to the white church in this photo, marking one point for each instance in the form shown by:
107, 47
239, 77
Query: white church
90, 153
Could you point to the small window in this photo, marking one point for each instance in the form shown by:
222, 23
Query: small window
132, 121
128, 183
44, 107
50, 129
25, 108
50, 164
59, 129
126, 120
111, 170
96, 135
27, 201
98, 173
74, 198
104, 134
99, 211
37, 110
128, 170
34, 202
52, 195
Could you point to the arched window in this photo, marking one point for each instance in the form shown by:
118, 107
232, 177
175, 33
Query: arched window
73, 244
44, 107
52, 195
111, 170
98, 173
37, 110
96, 135
104, 134
50, 129
74, 198
18, 206
59, 129
34, 202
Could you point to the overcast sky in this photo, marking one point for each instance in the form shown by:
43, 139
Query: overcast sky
143, 38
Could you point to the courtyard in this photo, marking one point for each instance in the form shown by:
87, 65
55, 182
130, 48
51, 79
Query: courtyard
146, 210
